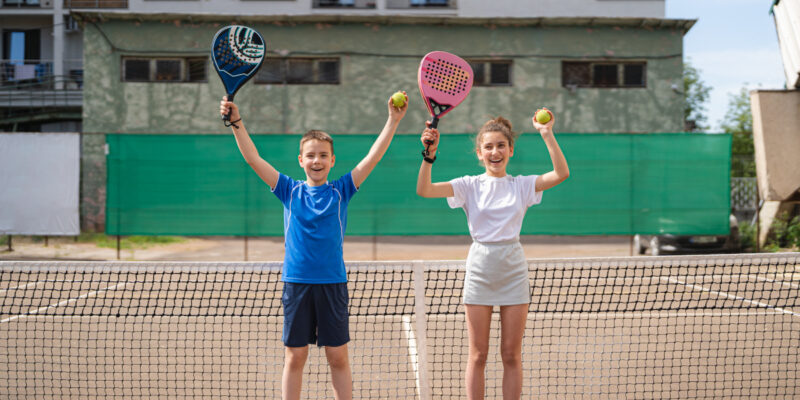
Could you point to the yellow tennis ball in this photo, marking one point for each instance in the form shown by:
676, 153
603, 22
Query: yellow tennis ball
542, 117
399, 99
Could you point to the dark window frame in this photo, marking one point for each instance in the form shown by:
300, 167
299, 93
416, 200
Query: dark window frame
186, 75
583, 74
316, 77
485, 78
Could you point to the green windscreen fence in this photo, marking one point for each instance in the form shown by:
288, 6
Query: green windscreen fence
620, 184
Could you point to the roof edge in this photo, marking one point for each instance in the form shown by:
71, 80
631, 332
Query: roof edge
646, 23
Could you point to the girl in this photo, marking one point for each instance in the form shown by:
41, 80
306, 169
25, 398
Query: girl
497, 273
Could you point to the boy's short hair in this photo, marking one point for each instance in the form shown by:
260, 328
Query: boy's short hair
315, 134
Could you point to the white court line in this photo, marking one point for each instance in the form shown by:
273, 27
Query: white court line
791, 285
81, 297
412, 348
730, 296
3, 291
586, 315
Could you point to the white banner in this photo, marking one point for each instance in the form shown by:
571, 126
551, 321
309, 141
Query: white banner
39, 180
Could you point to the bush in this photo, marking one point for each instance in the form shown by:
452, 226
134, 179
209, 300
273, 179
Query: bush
127, 242
785, 232
748, 236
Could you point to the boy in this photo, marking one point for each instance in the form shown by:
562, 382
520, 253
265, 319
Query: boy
315, 216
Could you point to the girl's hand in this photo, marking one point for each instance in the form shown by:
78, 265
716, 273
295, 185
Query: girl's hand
225, 106
544, 128
430, 135
397, 113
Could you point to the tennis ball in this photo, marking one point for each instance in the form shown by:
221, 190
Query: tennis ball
399, 99
542, 117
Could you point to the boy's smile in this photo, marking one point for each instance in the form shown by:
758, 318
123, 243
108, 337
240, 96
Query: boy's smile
316, 159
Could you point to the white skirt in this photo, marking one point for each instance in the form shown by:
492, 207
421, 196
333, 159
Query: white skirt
497, 275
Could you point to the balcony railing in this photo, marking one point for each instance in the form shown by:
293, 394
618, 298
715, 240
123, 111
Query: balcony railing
348, 4
95, 3
39, 73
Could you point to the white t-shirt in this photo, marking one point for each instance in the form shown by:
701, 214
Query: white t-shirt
495, 207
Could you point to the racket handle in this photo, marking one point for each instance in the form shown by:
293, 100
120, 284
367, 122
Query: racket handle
433, 125
227, 116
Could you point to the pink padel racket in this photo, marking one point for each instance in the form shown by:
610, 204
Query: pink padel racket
444, 81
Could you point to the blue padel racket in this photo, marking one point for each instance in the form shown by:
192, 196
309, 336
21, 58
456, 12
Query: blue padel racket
237, 52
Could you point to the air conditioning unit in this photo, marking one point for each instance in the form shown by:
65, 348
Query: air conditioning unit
70, 24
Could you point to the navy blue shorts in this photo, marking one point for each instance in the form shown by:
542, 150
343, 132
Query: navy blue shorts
315, 313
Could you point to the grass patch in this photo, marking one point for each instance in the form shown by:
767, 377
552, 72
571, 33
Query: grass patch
128, 242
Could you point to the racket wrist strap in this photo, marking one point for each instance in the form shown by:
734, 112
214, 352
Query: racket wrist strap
427, 158
232, 123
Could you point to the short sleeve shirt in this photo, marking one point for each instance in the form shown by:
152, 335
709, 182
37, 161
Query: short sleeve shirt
495, 207
314, 222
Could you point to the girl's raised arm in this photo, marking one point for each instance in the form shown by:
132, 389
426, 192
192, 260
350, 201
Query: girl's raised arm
424, 186
560, 170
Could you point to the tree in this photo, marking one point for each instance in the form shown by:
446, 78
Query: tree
739, 122
696, 96
738, 118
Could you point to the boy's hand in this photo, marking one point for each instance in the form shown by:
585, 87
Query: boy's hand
225, 106
395, 113
430, 135
544, 128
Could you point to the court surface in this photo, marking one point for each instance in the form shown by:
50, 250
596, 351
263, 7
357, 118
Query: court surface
666, 327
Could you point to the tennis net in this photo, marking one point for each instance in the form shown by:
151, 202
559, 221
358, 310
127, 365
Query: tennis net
699, 327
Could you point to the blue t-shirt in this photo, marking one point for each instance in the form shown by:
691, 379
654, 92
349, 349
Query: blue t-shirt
314, 220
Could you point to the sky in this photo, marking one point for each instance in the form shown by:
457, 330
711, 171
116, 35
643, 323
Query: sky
734, 45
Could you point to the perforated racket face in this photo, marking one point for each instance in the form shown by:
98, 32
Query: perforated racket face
444, 81
237, 52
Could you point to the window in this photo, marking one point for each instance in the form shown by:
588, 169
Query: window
22, 45
21, 3
603, 74
189, 69
429, 3
491, 73
421, 4
344, 3
318, 71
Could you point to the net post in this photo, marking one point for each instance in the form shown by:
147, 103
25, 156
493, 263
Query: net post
423, 382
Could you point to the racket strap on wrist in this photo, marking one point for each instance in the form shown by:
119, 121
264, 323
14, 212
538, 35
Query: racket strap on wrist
426, 156
232, 123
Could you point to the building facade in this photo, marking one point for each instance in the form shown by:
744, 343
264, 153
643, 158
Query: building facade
142, 67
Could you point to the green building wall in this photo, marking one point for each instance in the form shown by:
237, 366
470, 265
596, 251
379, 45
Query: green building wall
377, 59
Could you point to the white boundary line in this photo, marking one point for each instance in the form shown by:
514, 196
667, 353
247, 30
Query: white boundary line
20, 287
730, 296
81, 297
412, 349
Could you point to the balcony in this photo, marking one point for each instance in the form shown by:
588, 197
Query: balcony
345, 4
32, 83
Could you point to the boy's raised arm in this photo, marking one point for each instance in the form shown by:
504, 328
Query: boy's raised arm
378, 149
265, 171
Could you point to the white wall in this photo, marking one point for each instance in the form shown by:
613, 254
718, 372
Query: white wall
563, 8
787, 23
39, 177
